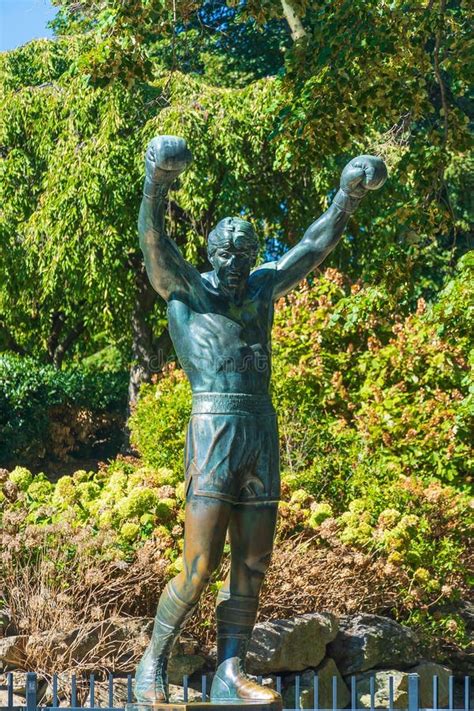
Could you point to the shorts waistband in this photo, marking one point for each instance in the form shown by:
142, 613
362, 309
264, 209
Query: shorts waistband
232, 403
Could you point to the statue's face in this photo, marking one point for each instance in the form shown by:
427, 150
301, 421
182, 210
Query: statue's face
232, 263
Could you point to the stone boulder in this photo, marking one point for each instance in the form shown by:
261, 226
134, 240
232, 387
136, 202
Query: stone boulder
184, 665
290, 645
177, 694
121, 641
325, 673
370, 641
185, 660
19, 685
426, 671
12, 651
381, 689
17, 700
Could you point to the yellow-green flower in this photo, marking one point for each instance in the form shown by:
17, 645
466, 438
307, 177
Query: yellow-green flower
388, 518
319, 513
130, 531
422, 576
22, 477
40, 490
137, 502
64, 491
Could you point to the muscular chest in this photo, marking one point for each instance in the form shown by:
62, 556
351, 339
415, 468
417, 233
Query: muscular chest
212, 324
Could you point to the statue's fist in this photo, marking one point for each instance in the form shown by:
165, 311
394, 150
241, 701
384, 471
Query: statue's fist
363, 173
166, 157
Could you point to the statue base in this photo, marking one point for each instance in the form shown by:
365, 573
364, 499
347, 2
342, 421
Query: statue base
208, 706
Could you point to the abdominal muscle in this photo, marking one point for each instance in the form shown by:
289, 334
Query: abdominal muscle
222, 347
217, 359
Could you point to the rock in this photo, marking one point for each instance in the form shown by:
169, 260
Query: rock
177, 694
325, 672
426, 672
12, 651
101, 694
370, 641
17, 700
290, 645
63, 691
381, 689
19, 685
184, 665
186, 645
120, 640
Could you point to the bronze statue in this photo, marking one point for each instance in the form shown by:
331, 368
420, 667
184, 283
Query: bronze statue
220, 323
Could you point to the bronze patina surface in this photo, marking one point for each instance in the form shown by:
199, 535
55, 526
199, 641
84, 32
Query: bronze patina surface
206, 706
220, 323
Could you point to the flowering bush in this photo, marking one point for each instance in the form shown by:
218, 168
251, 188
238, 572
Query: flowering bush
37, 399
88, 532
374, 411
158, 424
125, 501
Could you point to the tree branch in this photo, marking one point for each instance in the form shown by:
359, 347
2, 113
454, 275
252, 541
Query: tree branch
57, 324
296, 26
439, 78
9, 341
62, 348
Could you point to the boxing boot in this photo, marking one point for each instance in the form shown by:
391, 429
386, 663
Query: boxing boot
235, 621
151, 677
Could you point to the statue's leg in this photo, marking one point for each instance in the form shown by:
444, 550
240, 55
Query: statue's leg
205, 527
251, 530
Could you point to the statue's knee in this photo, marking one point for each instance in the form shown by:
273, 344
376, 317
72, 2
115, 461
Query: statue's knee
257, 566
201, 570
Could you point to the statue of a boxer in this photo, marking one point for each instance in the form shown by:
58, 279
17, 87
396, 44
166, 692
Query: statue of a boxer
220, 323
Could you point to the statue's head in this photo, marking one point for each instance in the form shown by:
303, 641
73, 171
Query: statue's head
232, 248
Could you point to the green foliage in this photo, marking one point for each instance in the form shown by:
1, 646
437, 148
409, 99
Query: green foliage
159, 422
74, 129
421, 528
125, 503
29, 390
367, 393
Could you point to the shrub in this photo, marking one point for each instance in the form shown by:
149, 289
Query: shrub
31, 398
366, 393
401, 548
158, 424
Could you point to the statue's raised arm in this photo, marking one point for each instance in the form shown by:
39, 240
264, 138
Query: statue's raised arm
358, 177
166, 158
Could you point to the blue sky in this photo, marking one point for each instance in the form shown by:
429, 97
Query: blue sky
23, 20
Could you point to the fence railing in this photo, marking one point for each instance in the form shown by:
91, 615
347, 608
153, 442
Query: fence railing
82, 689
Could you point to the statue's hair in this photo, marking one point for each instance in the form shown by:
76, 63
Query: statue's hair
226, 230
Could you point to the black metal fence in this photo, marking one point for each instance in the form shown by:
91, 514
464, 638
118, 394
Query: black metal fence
459, 694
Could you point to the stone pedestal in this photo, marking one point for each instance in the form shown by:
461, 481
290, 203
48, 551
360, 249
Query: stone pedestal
207, 706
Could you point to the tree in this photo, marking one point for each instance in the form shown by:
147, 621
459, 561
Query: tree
269, 137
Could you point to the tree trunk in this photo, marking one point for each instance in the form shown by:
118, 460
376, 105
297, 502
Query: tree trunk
58, 348
296, 26
8, 342
62, 348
